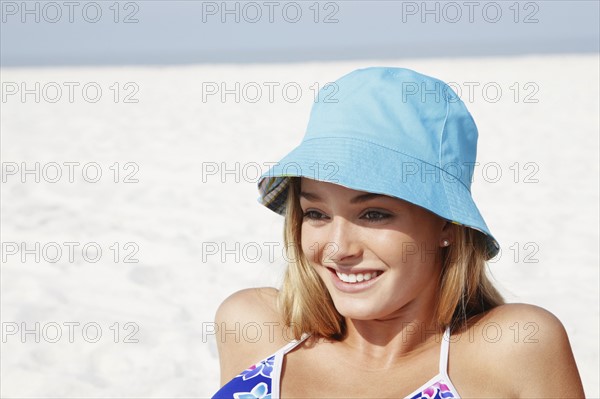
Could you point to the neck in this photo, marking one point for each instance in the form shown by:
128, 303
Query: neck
385, 342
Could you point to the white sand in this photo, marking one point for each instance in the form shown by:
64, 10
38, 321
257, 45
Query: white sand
172, 293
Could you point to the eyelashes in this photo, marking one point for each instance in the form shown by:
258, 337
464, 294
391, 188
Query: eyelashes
312, 215
376, 215
369, 215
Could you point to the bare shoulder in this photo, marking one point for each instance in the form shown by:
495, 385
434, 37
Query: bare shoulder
521, 312
532, 347
250, 304
248, 328
519, 322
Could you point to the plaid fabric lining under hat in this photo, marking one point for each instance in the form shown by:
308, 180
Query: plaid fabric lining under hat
274, 193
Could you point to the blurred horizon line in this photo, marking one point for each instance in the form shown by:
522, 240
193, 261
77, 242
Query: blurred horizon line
274, 56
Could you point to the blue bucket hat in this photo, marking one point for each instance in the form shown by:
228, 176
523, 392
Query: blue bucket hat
389, 131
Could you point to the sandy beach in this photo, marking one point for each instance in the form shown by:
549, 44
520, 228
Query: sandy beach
129, 208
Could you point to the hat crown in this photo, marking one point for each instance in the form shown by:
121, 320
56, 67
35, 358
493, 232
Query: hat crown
402, 110
391, 131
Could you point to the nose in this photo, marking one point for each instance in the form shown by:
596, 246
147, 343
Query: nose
344, 245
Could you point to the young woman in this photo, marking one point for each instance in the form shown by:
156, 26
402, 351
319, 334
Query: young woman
386, 293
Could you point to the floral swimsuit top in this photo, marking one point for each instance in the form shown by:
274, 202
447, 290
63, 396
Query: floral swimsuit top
262, 380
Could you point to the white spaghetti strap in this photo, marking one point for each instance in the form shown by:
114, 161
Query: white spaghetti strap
278, 365
292, 344
444, 352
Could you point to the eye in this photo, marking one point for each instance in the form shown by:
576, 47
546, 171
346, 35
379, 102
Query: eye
374, 216
313, 215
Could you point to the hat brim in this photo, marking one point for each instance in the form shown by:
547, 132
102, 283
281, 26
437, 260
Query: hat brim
364, 166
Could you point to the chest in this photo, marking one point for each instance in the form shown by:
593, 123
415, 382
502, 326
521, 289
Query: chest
318, 373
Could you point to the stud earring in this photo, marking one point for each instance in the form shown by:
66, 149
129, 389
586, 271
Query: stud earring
445, 243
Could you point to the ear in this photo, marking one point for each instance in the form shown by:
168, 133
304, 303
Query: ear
447, 234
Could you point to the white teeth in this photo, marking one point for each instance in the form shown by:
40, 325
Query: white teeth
354, 278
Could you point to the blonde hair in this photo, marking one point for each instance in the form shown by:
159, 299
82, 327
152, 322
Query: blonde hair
464, 287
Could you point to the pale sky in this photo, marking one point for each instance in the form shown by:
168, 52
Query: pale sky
174, 32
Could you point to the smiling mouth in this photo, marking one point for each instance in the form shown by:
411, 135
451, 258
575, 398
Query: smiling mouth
353, 278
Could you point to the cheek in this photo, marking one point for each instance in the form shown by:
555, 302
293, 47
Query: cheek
403, 252
316, 246
309, 241
387, 244
427, 232
422, 250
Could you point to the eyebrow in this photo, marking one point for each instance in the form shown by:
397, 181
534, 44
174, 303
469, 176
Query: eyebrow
356, 200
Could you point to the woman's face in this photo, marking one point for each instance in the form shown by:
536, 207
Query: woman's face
378, 255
